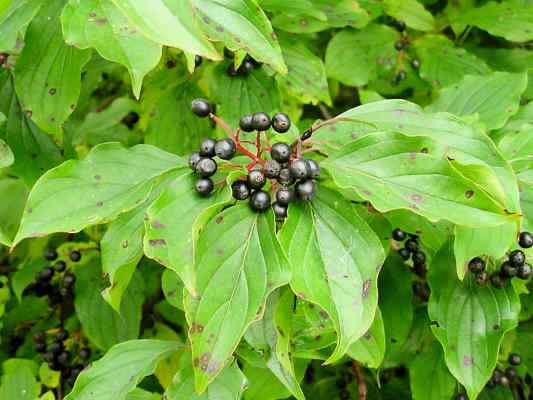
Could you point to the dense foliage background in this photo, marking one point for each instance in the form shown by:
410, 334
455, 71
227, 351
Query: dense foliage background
119, 282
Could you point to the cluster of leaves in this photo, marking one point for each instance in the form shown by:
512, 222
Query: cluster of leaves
421, 115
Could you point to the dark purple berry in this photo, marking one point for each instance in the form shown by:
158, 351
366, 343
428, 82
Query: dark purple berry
240, 190
75, 256
204, 186
63, 358
313, 169
419, 257
194, 159
207, 148
285, 177
306, 189
39, 337
206, 167
68, 280
279, 211
246, 123
261, 121
525, 240
50, 254
498, 281
515, 359
399, 235
260, 201
281, 122
40, 347
482, 278
62, 335
85, 353
271, 169
476, 265
411, 245
201, 107
415, 63
225, 149
299, 169
281, 152
524, 272
46, 274
256, 179
508, 269
404, 253
517, 258
60, 266
284, 196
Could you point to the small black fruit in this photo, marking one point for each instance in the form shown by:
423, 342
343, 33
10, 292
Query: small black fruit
399, 45
256, 179
419, 257
476, 265
525, 240
313, 169
60, 266
399, 25
260, 201
400, 76
68, 280
482, 278
246, 67
524, 271
515, 359
245, 123
498, 281
46, 275
299, 169
306, 189
279, 211
197, 60
517, 258
75, 256
281, 152
85, 353
39, 337
201, 107
284, 196
54, 347
281, 122
207, 148
399, 235
62, 358
411, 245
415, 63
225, 149
509, 269
206, 167
194, 159
261, 121
285, 176
231, 71
461, 397
50, 254
511, 373
272, 169
204, 186
240, 190
40, 347
404, 253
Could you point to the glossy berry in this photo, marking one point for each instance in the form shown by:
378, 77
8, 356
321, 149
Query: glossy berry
261, 121
517, 258
75, 256
400, 76
524, 272
246, 124
419, 257
514, 359
509, 269
50, 254
476, 265
240, 190
197, 60
306, 189
411, 245
498, 281
45, 275
225, 149
399, 25
399, 235
201, 107
281, 152
299, 169
68, 280
415, 63
271, 169
207, 148
511, 373
461, 397
482, 278
404, 253
256, 179
204, 186
285, 176
62, 335
40, 347
525, 240
194, 159
39, 337
85, 353
206, 167
54, 347
279, 211
246, 67
399, 45
313, 169
284, 196
281, 122
260, 201
60, 266
504, 381
63, 358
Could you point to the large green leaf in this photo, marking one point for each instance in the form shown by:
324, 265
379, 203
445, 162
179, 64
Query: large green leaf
6, 155
356, 57
15, 19
100, 24
411, 12
494, 97
442, 63
121, 369
18, 380
49, 71
389, 170
238, 263
109, 181
172, 244
103, 325
469, 321
241, 24
170, 23
511, 20
335, 260
429, 377
370, 348
11, 211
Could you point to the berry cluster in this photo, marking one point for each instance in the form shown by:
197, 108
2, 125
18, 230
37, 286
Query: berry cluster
291, 176
509, 376
514, 266
401, 47
246, 67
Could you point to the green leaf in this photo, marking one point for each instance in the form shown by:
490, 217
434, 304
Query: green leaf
335, 260
79, 193
306, 79
11, 211
241, 24
172, 288
25, 276
48, 71
18, 380
496, 393
100, 24
411, 12
295, 8
494, 97
469, 321
429, 377
238, 262
169, 23
358, 57
370, 349
48, 377
15, 19
388, 170
139, 394
172, 244
442, 63
522, 344
229, 385
511, 20
6, 155
101, 323
121, 369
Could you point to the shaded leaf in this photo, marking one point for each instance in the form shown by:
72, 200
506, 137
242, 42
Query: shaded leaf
6, 155
370, 348
411, 12
11, 211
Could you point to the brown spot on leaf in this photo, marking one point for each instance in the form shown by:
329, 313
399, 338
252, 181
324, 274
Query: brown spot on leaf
366, 287
205, 18
219, 252
125, 244
467, 361
101, 21
97, 177
417, 198
158, 225
99, 204
196, 328
157, 242
220, 29
52, 91
30, 210
219, 219
469, 194
324, 314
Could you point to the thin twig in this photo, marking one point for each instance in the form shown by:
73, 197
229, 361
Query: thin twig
361, 385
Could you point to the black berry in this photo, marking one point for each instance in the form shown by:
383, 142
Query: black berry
225, 149
50, 254
60, 266
306, 189
271, 169
75, 256
476, 265
515, 359
231, 71
246, 124
285, 177
481, 278
299, 169
419, 257
261, 121
511, 373
411, 245
46, 275
509, 269
197, 60
260, 201
85, 353
206, 167
399, 45
256, 179
517, 258
399, 235
313, 169
55, 347
62, 358
404, 253
399, 25
461, 397
498, 281
279, 211
207, 148
284, 196
281, 152
201, 107
524, 272
246, 67
68, 280
525, 240
40, 347
48, 356
204, 186
281, 122
240, 190
194, 159
415, 63
400, 76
